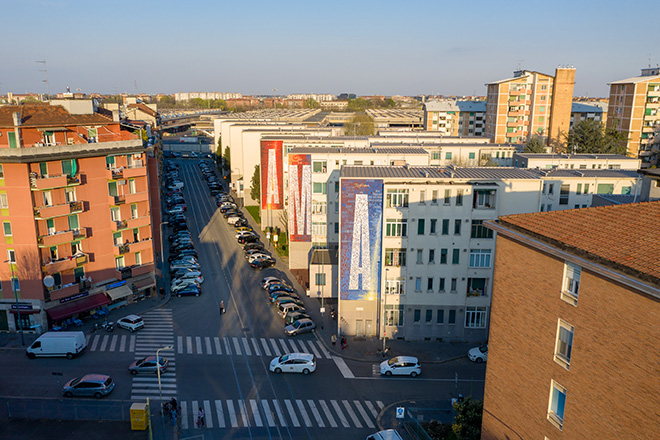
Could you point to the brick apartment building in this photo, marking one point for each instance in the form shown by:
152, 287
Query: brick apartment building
574, 325
529, 104
76, 197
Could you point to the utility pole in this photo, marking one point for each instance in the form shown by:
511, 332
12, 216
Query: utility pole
45, 70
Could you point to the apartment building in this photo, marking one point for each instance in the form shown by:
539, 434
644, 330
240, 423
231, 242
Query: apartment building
455, 118
588, 111
574, 330
634, 108
575, 161
76, 196
529, 104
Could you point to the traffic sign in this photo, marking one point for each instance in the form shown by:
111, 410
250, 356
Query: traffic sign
400, 412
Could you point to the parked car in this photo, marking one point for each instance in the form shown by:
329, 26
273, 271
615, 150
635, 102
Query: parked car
278, 294
248, 239
294, 315
253, 252
267, 281
189, 290
260, 256
131, 323
286, 307
179, 234
148, 365
402, 366
241, 222
244, 234
182, 264
234, 218
187, 276
175, 288
253, 245
299, 326
243, 228
304, 363
182, 253
288, 300
478, 354
262, 263
280, 287
97, 385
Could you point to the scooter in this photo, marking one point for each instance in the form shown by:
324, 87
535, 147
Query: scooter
107, 326
333, 313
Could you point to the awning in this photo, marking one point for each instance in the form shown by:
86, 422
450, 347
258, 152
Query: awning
51, 129
119, 292
82, 305
145, 283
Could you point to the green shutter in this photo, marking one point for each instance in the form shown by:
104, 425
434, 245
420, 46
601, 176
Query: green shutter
66, 167
73, 222
12, 139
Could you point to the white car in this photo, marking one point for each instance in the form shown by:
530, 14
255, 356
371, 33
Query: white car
402, 366
131, 323
259, 256
174, 288
478, 354
243, 234
304, 363
183, 274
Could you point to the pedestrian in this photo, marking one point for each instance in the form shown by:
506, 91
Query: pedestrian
162, 293
173, 404
343, 342
173, 414
222, 307
200, 418
333, 338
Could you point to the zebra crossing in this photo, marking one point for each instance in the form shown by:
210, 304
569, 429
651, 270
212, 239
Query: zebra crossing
291, 413
238, 346
116, 343
158, 332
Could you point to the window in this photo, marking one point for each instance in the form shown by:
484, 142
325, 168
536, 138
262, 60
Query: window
457, 227
571, 282
542, 108
119, 262
418, 284
70, 195
7, 229
394, 314
627, 190
434, 222
445, 226
319, 207
2, 172
422, 196
73, 222
556, 405
447, 197
117, 238
454, 284
417, 315
420, 256
397, 198
440, 316
586, 188
395, 286
452, 317
429, 284
455, 256
320, 188
134, 210
319, 279
319, 166
563, 194
475, 317
434, 196
605, 188
459, 197
480, 231
431, 256
420, 226
43, 169
443, 256
68, 167
448, 156
11, 256
336, 187
76, 248
579, 188
112, 189
470, 155
395, 257
436, 154
480, 257
48, 198
138, 259
396, 227
337, 228
4, 204
564, 344
484, 199
319, 228
551, 188
115, 214
441, 284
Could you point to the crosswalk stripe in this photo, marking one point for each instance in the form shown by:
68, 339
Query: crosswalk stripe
292, 413
255, 345
97, 338
246, 347
113, 343
328, 414
243, 411
218, 410
325, 352
198, 344
293, 344
237, 346
208, 420
179, 344
255, 413
218, 348
316, 352
285, 349
276, 349
232, 414
371, 408
264, 344
303, 413
184, 415
227, 346
131, 344
280, 415
189, 348
363, 413
104, 343
352, 414
380, 405
268, 413
87, 339
316, 414
193, 412
122, 344
208, 345
342, 417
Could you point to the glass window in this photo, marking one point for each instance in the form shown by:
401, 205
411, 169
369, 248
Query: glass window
448, 156
319, 166
418, 284
431, 256
320, 188
429, 316
396, 227
470, 155
454, 284
447, 197
119, 262
2, 172
443, 256
452, 317
475, 317
572, 274
397, 198
445, 226
319, 279
395, 257
480, 257
7, 228
429, 284
457, 227
422, 196
420, 256
394, 314
417, 315
440, 316
480, 231
433, 226
138, 259
4, 204
484, 198
564, 344
557, 402
434, 196
455, 256
420, 226
459, 197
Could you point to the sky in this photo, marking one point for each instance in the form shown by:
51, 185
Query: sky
365, 47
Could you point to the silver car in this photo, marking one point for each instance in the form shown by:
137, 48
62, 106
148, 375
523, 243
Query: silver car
96, 385
148, 365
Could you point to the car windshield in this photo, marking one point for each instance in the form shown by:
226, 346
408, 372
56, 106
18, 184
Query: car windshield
75, 381
393, 361
284, 358
141, 361
107, 382
483, 349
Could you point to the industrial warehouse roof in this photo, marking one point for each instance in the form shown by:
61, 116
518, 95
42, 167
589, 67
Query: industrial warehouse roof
579, 107
348, 150
44, 115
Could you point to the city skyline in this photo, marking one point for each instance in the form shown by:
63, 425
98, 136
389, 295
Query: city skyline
378, 48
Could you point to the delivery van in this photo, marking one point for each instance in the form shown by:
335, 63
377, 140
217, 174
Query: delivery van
58, 344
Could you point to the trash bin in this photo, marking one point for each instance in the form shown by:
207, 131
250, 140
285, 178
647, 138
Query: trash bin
139, 416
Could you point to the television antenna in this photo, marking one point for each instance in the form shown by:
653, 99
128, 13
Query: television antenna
45, 70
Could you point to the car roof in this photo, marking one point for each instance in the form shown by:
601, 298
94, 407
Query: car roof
131, 317
304, 356
95, 377
406, 359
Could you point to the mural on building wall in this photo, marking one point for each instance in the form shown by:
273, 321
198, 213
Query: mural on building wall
361, 239
300, 197
271, 175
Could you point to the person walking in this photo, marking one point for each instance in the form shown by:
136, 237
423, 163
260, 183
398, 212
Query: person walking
343, 342
222, 307
162, 293
200, 418
333, 338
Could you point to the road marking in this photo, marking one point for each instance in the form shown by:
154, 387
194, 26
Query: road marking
328, 413
280, 416
268, 413
208, 420
276, 349
227, 348
255, 413
371, 408
255, 345
343, 368
363, 413
122, 344
104, 344
241, 408
218, 349
237, 346
285, 349
208, 345
179, 344
292, 413
316, 353
315, 413
303, 413
293, 344
184, 415
325, 352
221, 417
351, 413
341, 415
113, 343
189, 347
380, 405
97, 338
246, 346
232, 414
194, 410
198, 344
131, 344
264, 344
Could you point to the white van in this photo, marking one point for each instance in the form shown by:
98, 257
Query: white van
58, 344
283, 309
388, 434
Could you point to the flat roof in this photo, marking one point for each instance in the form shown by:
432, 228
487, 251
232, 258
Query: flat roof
574, 156
349, 150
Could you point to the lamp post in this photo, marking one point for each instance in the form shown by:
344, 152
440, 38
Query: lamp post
387, 270
162, 250
18, 307
160, 390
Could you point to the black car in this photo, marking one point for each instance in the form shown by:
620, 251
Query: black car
232, 211
248, 239
253, 245
182, 253
226, 208
241, 222
181, 247
262, 264
179, 226
190, 290
179, 234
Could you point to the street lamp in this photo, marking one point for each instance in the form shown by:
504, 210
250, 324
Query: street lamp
162, 250
387, 270
160, 390
18, 307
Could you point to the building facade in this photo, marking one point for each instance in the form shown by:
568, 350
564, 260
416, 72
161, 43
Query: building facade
577, 324
588, 111
455, 118
575, 161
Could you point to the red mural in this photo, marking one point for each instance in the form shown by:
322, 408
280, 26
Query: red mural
272, 175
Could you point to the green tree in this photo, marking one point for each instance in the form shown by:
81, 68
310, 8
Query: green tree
360, 125
311, 103
535, 145
255, 188
591, 137
358, 105
167, 101
227, 158
467, 423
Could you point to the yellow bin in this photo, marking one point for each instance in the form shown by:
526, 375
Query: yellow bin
139, 417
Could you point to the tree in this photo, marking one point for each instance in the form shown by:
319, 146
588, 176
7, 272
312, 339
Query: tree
535, 145
591, 137
227, 158
467, 423
311, 103
358, 104
167, 101
255, 188
360, 125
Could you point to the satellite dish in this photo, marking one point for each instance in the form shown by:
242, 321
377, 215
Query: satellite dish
49, 281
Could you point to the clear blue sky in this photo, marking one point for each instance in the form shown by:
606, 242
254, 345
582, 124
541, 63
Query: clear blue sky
365, 47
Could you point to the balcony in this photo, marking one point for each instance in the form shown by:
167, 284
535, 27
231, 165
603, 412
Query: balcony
116, 200
61, 237
64, 291
141, 246
64, 264
138, 169
139, 222
46, 212
142, 269
137, 197
121, 249
119, 225
50, 182
123, 273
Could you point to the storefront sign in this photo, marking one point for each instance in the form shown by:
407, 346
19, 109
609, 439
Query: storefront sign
112, 286
21, 306
73, 297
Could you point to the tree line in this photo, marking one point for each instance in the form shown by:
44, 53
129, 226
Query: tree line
586, 137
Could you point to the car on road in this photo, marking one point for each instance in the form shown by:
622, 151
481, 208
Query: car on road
267, 281
289, 300
402, 366
175, 288
89, 385
131, 323
189, 290
241, 222
299, 326
292, 316
277, 294
148, 365
255, 245
478, 354
179, 234
248, 239
304, 363
281, 287
262, 263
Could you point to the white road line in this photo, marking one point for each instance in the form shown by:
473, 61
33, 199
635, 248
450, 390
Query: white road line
218, 348
371, 408
316, 352
276, 349
316, 414
303, 413
343, 368
255, 345
241, 408
208, 345
325, 352
295, 347
264, 344
198, 344
179, 344
184, 415
208, 420
113, 343
352, 414
363, 413
380, 405
342, 417
255, 413
232, 414
285, 349
268, 413
221, 417
237, 346
104, 343
131, 344
122, 344
189, 347
227, 347
328, 413
97, 338
292, 413
280, 415
88, 338
246, 347
193, 412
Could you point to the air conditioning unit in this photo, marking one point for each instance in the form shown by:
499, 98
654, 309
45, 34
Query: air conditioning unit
121, 182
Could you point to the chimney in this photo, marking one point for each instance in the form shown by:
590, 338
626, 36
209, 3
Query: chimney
16, 116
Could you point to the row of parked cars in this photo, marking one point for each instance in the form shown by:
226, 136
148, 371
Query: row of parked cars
289, 306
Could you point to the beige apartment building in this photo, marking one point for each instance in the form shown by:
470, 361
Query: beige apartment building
529, 104
455, 118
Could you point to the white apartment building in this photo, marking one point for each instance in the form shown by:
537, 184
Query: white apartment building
186, 96
455, 118
318, 97
576, 161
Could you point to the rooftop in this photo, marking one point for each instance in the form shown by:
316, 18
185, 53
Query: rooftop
348, 150
455, 106
623, 237
575, 156
44, 115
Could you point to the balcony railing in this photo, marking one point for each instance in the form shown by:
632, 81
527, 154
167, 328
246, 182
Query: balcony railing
69, 263
116, 200
46, 212
61, 237
40, 183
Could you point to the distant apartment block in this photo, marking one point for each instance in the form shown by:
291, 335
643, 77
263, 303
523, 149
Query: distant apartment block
588, 111
575, 161
318, 97
186, 96
634, 108
455, 118
529, 104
